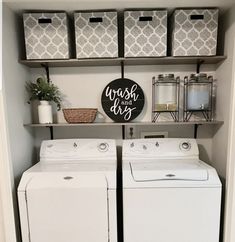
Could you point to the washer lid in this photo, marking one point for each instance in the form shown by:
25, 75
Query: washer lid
169, 170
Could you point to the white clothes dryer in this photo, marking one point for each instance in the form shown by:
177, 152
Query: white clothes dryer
70, 195
169, 195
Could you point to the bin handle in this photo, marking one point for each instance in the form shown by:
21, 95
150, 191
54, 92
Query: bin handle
197, 17
44, 20
145, 18
96, 20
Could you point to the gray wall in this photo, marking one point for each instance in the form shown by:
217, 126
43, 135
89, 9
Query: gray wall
224, 76
17, 110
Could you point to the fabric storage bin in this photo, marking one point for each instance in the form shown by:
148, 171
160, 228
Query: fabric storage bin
145, 33
46, 35
195, 32
96, 34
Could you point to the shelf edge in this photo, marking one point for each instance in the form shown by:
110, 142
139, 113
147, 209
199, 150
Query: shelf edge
125, 124
127, 61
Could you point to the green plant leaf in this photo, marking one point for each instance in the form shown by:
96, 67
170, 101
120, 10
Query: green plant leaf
43, 90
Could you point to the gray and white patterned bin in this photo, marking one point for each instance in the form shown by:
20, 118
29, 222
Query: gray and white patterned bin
145, 33
195, 32
46, 35
96, 34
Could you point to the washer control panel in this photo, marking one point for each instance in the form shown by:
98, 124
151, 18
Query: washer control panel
165, 147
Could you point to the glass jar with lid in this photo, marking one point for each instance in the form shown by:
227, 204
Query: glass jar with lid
198, 94
166, 95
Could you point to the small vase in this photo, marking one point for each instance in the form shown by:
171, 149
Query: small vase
45, 112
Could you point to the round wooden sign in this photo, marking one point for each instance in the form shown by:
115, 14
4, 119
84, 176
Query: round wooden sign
122, 100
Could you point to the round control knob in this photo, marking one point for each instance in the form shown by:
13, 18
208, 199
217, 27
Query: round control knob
185, 146
103, 146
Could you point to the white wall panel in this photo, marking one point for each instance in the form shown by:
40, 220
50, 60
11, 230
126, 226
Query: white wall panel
17, 111
224, 88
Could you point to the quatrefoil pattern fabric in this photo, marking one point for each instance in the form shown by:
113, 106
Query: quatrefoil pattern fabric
148, 37
46, 39
96, 34
195, 32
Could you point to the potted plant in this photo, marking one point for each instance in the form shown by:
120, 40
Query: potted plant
45, 92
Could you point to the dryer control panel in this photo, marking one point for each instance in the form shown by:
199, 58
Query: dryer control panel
160, 148
78, 150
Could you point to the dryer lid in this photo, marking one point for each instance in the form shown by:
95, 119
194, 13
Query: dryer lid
169, 170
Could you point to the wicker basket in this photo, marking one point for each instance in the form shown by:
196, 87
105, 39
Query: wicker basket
80, 115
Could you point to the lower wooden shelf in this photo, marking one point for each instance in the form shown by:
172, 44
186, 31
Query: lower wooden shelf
125, 124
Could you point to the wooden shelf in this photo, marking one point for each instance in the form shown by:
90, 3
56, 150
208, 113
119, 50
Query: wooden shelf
169, 60
125, 124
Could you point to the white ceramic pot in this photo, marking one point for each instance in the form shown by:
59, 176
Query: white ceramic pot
45, 112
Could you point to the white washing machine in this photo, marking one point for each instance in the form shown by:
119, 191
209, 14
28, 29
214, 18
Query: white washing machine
70, 195
169, 195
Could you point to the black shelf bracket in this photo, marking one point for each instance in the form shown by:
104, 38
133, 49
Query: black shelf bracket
196, 130
47, 71
122, 76
51, 132
122, 69
199, 63
123, 132
48, 80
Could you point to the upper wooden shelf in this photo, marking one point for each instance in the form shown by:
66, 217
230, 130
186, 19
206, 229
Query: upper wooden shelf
125, 124
169, 60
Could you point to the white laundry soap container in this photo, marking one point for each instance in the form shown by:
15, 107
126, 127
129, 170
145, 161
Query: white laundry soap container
45, 113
